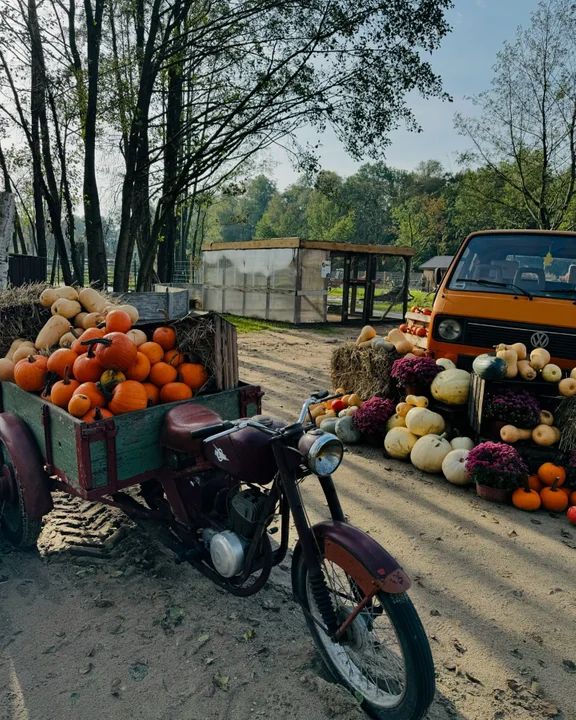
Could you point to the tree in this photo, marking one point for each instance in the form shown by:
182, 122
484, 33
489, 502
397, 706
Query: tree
526, 131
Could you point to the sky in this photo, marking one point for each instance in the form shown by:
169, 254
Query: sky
465, 60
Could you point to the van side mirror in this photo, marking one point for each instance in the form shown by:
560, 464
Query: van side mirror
438, 276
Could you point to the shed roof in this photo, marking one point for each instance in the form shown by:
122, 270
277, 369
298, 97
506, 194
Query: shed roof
438, 261
294, 242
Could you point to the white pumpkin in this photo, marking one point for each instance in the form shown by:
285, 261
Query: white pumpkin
395, 421
451, 387
446, 364
421, 421
429, 452
346, 430
454, 467
462, 443
399, 442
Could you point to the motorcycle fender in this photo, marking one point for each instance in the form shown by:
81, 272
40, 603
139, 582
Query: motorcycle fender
361, 557
28, 464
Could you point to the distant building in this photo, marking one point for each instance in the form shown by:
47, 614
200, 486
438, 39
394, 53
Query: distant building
429, 268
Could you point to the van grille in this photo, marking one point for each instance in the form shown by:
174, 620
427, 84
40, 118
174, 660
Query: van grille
561, 342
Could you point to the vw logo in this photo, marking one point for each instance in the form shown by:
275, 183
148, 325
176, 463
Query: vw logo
539, 339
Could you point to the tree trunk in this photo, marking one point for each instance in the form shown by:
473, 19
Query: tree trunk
35, 103
97, 265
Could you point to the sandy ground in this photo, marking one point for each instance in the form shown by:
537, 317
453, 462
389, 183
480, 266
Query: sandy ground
102, 624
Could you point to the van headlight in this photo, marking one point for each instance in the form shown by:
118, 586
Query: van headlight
323, 452
450, 329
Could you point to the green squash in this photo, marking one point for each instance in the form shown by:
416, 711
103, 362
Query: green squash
490, 367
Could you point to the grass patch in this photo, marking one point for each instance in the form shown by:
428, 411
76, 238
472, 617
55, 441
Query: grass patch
250, 325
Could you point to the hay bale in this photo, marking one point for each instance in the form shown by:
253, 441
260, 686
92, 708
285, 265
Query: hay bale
21, 315
364, 371
565, 419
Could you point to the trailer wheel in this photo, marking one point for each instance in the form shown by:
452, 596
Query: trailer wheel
16, 524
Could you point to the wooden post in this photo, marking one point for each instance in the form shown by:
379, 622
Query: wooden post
7, 214
407, 263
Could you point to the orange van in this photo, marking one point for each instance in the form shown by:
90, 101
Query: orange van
507, 286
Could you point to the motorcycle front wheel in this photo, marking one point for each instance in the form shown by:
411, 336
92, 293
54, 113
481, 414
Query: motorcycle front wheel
384, 658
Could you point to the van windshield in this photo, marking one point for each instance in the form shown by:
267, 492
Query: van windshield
537, 265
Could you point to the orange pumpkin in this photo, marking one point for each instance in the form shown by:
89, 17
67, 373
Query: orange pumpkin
567, 492
86, 367
115, 351
526, 499
59, 359
79, 405
548, 472
174, 357
128, 397
193, 374
30, 373
153, 352
535, 483
63, 390
173, 391
92, 391
96, 414
89, 334
141, 368
573, 497
152, 392
553, 499
118, 321
165, 337
161, 374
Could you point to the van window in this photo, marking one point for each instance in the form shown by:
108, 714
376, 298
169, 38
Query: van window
540, 265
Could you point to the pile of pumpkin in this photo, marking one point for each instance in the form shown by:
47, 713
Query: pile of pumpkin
546, 489
108, 369
396, 341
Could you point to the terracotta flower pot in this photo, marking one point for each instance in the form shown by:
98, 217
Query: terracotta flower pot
494, 494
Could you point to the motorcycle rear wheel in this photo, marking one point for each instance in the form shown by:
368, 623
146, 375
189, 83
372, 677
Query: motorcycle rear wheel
392, 678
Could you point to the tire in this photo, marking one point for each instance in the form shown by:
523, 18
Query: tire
15, 523
413, 700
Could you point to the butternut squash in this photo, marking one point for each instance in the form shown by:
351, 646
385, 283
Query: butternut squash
526, 370
92, 301
511, 359
52, 332
6, 370
403, 408
539, 358
93, 320
67, 293
567, 387
66, 308
23, 351
418, 352
519, 349
411, 400
544, 435
367, 333
546, 417
67, 339
79, 320
366, 344
48, 297
130, 310
13, 347
400, 341
420, 401
511, 434
138, 337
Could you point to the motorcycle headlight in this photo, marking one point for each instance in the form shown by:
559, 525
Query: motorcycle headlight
325, 454
450, 329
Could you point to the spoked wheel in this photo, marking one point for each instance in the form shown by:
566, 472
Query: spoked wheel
16, 524
383, 657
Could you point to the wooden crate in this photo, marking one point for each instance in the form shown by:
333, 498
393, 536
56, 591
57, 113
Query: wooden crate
114, 452
157, 307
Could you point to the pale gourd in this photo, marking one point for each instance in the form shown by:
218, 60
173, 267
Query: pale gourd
558, 433
399, 442
92, 301
567, 387
403, 409
48, 297
526, 370
52, 332
66, 308
367, 333
539, 358
546, 417
23, 351
317, 410
347, 431
67, 293
462, 443
411, 400
329, 425
454, 467
451, 387
551, 373
6, 370
351, 410
573, 373
67, 339
511, 359
364, 345
421, 401
395, 421
355, 400
13, 347
401, 343
429, 452
518, 348
79, 320
93, 320
422, 421
138, 337
446, 363
418, 352
544, 435
512, 434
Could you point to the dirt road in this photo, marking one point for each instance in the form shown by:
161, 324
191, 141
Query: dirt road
125, 633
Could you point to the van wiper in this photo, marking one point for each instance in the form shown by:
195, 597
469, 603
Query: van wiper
493, 283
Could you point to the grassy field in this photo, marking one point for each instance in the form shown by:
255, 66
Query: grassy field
250, 325
419, 298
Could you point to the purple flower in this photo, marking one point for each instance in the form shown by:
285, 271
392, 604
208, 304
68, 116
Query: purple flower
415, 371
516, 407
372, 417
497, 465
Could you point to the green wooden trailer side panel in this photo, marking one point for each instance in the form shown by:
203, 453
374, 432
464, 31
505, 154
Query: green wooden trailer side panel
137, 443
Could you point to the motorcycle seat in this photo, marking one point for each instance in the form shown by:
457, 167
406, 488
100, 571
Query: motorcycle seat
183, 420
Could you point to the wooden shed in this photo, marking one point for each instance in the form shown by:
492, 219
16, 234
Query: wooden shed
439, 264
306, 281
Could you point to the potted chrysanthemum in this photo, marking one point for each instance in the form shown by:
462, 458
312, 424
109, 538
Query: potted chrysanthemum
497, 469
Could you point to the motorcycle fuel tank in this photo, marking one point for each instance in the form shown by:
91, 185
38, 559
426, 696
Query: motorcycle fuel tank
246, 454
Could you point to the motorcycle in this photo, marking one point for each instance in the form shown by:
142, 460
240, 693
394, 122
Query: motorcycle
352, 592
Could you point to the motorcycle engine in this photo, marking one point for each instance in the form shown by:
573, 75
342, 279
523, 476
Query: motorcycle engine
227, 548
